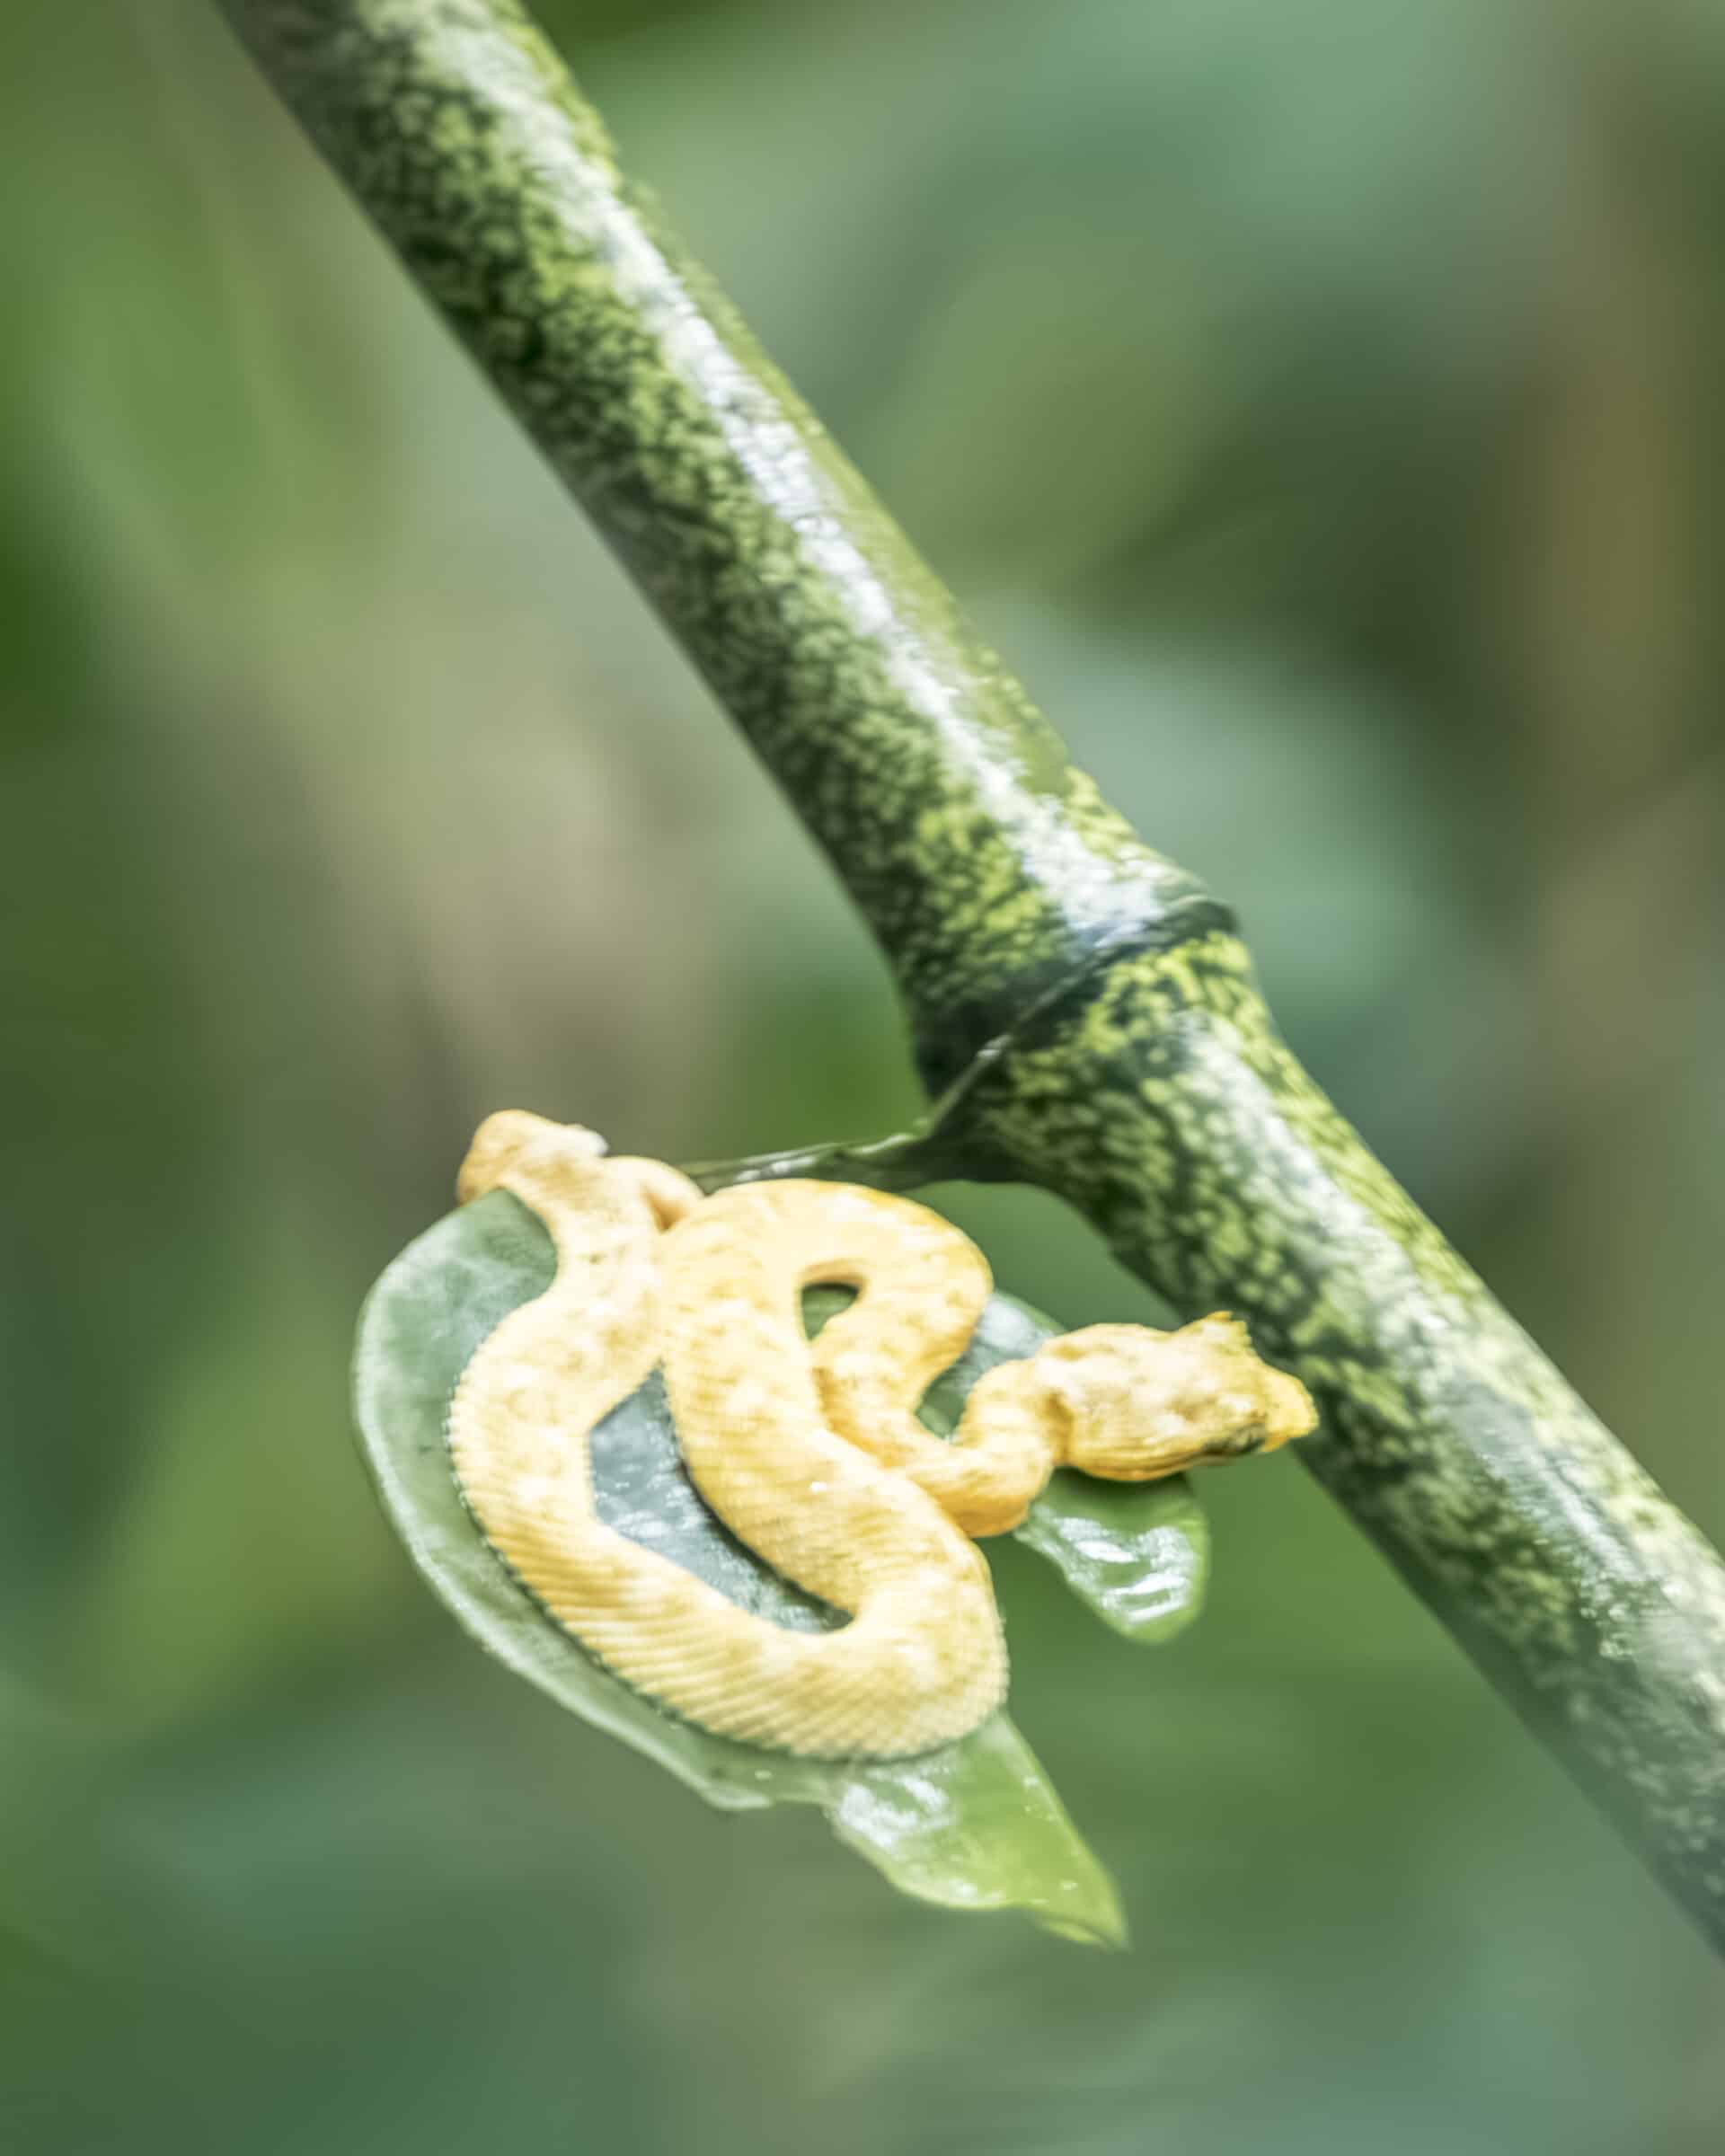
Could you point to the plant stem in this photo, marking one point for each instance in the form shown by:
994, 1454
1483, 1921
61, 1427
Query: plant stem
1084, 1001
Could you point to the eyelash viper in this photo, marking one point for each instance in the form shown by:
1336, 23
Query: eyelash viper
810, 1452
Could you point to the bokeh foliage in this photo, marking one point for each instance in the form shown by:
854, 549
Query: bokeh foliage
1316, 400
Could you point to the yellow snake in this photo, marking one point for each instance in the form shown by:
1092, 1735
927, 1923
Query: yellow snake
810, 1452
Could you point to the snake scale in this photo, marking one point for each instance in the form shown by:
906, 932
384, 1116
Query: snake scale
810, 1452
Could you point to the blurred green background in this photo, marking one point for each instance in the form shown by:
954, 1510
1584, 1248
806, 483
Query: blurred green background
1320, 401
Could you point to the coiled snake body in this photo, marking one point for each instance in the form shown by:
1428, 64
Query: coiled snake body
810, 1452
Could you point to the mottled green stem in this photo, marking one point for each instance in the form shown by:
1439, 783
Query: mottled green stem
1085, 1002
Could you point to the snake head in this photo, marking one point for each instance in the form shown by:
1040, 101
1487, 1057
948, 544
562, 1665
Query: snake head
512, 1142
1141, 1403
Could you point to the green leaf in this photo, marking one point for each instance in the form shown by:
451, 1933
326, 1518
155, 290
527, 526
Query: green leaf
975, 1824
1137, 1553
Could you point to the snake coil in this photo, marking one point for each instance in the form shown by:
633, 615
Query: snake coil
810, 1452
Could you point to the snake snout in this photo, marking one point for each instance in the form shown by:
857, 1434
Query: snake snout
515, 1138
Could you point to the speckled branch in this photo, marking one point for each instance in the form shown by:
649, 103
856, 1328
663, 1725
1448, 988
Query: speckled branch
1085, 1005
